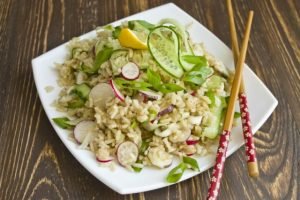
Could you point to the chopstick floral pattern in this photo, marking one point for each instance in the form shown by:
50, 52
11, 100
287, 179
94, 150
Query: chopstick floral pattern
217, 172
247, 130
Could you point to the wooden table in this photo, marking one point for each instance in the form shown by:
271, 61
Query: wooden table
34, 164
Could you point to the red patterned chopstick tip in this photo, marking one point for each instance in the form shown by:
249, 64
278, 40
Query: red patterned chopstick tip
219, 166
247, 130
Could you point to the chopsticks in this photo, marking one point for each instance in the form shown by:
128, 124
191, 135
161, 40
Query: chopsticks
224, 138
245, 117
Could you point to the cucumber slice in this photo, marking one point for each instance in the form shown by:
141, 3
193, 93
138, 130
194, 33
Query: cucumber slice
163, 45
186, 65
184, 46
217, 106
213, 128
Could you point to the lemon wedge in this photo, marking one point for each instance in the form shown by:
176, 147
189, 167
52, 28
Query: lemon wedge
128, 38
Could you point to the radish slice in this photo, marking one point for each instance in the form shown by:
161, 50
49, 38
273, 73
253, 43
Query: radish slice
117, 92
195, 120
82, 129
151, 95
103, 161
159, 157
127, 153
100, 94
180, 135
142, 97
130, 71
190, 154
192, 140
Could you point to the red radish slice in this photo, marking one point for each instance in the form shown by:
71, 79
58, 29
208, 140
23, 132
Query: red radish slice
141, 97
100, 94
127, 153
192, 140
117, 92
82, 129
130, 71
180, 135
151, 94
159, 157
103, 161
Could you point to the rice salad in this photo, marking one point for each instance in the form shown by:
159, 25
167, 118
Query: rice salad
141, 94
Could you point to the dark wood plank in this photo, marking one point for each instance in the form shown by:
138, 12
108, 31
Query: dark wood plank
36, 165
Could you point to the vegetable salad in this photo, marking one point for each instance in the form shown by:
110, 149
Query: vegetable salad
140, 94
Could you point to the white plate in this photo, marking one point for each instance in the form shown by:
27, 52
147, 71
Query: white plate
261, 105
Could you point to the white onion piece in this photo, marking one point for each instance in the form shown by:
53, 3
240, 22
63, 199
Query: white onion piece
159, 157
195, 120
151, 94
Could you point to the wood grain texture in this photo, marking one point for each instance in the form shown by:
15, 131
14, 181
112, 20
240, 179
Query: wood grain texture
34, 164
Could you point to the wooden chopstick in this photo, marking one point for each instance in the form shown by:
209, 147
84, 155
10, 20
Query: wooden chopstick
245, 116
224, 138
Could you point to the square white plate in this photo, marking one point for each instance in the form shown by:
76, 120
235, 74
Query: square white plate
261, 105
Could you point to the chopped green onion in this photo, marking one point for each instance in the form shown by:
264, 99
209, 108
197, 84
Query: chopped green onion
62, 122
198, 75
108, 27
155, 80
134, 85
144, 146
146, 24
197, 60
191, 162
176, 173
169, 87
134, 23
101, 57
136, 169
237, 115
116, 32
134, 124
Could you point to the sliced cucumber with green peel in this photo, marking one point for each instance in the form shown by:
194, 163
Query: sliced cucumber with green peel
163, 44
184, 46
217, 106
